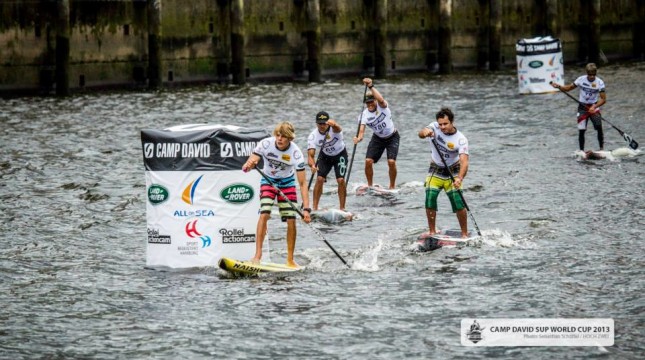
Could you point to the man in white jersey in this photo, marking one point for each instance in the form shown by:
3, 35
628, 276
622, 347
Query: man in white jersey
283, 162
592, 97
453, 148
385, 136
328, 135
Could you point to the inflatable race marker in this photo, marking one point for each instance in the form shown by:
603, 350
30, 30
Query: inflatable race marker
539, 61
200, 206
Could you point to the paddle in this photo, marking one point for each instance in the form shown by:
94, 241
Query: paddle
358, 131
458, 190
302, 216
311, 179
631, 142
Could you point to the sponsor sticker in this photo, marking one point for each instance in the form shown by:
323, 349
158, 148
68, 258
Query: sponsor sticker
237, 193
157, 194
537, 332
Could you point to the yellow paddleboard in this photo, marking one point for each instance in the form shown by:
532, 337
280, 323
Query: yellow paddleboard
249, 268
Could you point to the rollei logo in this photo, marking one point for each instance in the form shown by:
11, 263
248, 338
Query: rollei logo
237, 193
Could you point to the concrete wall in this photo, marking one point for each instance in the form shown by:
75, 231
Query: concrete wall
108, 40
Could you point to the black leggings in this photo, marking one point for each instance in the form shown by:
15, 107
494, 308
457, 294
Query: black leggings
601, 138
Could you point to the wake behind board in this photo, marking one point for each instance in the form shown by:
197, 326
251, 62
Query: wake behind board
375, 190
250, 268
447, 238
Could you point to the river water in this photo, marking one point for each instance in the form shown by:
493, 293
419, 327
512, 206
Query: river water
562, 237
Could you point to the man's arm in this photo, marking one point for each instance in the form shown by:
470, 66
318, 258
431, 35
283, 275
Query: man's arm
300, 175
251, 162
361, 132
463, 169
377, 95
425, 132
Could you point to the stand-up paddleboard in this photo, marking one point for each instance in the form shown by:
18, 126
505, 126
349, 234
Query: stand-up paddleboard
331, 216
446, 238
592, 155
612, 155
375, 190
250, 268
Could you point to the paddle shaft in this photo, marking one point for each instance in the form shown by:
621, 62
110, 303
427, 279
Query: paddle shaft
458, 189
311, 179
320, 235
358, 131
632, 143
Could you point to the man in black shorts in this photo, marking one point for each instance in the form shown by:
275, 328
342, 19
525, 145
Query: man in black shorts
378, 117
328, 136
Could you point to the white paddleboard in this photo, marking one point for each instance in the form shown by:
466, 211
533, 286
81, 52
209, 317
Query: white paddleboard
331, 216
375, 190
446, 238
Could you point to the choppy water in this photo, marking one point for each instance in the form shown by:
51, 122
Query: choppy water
563, 238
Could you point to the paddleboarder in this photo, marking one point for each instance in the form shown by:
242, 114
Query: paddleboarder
328, 136
592, 97
284, 163
453, 147
385, 136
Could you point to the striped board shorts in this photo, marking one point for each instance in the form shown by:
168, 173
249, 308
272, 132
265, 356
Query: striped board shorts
268, 195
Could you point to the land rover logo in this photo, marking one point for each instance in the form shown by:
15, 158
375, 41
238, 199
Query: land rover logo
237, 193
157, 194
536, 64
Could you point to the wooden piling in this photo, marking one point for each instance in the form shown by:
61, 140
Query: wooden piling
482, 36
594, 31
154, 44
313, 36
551, 16
495, 35
238, 67
638, 40
380, 39
445, 36
62, 48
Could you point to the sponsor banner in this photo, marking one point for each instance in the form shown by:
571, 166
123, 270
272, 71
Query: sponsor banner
539, 62
209, 148
537, 332
200, 206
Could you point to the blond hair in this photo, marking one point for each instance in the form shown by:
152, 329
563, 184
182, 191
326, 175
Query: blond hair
285, 129
591, 68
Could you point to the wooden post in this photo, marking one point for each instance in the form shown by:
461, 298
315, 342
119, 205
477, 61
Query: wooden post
238, 67
552, 23
313, 40
223, 40
380, 39
154, 44
482, 35
62, 48
594, 31
445, 36
432, 42
495, 34
638, 41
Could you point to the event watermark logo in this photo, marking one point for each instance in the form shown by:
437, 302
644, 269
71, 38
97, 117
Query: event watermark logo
537, 332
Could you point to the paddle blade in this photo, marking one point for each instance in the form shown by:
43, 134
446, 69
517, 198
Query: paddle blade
632, 143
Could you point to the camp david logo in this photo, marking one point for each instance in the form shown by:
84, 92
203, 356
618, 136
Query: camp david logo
535, 64
237, 193
226, 149
157, 194
474, 333
148, 150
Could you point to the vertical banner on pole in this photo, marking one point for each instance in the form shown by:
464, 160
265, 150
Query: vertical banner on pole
539, 61
200, 206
